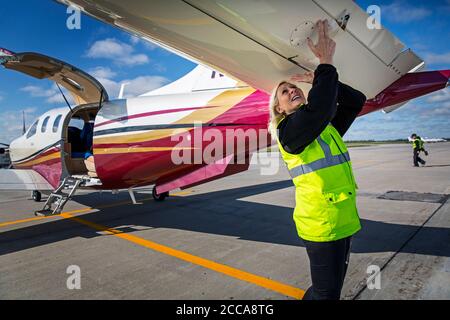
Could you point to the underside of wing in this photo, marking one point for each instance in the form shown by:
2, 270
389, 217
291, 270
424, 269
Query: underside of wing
262, 42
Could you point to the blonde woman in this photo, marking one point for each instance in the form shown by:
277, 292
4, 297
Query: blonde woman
309, 133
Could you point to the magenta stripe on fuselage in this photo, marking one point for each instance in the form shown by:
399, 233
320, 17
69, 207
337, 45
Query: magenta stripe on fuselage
151, 113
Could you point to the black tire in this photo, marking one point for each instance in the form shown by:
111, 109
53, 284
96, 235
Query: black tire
159, 197
36, 195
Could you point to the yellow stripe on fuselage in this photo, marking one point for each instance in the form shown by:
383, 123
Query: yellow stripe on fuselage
137, 149
54, 155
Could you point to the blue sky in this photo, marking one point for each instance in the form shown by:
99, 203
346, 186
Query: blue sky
114, 57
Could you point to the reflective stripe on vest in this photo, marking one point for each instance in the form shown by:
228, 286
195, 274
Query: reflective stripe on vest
326, 162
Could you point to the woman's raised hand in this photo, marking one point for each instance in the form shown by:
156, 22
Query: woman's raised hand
324, 49
307, 77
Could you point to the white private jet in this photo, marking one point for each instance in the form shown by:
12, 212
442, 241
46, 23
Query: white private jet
255, 43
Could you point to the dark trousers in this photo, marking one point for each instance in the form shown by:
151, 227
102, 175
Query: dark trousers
416, 158
328, 264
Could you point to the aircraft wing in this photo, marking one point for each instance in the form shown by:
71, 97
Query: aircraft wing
261, 42
12, 179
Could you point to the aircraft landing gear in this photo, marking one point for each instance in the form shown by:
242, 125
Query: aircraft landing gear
159, 197
36, 195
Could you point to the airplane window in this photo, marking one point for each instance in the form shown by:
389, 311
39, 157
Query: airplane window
44, 124
56, 123
32, 130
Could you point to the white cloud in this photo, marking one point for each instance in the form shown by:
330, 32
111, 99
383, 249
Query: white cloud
443, 110
146, 43
436, 58
136, 59
51, 94
121, 53
30, 110
134, 40
11, 123
36, 91
143, 84
400, 11
135, 87
109, 48
58, 98
439, 96
102, 72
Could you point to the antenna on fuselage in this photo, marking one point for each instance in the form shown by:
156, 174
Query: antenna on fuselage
122, 87
65, 99
23, 122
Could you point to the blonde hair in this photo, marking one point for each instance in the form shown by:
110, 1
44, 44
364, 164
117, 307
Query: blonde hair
275, 116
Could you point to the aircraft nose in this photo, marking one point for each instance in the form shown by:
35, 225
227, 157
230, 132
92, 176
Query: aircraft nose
12, 149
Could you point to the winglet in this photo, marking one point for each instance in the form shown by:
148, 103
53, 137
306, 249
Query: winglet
6, 55
6, 52
411, 85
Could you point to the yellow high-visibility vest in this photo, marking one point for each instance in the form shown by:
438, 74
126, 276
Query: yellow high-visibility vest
417, 143
325, 188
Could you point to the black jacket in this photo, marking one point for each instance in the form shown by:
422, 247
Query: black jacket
328, 101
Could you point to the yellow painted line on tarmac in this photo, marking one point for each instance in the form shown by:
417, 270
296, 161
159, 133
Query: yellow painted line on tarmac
182, 193
221, 268
9, 223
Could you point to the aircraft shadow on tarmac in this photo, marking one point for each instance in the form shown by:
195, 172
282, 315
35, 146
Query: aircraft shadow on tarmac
220, 213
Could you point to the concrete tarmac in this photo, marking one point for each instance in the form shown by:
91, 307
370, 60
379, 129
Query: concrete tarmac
233, 238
